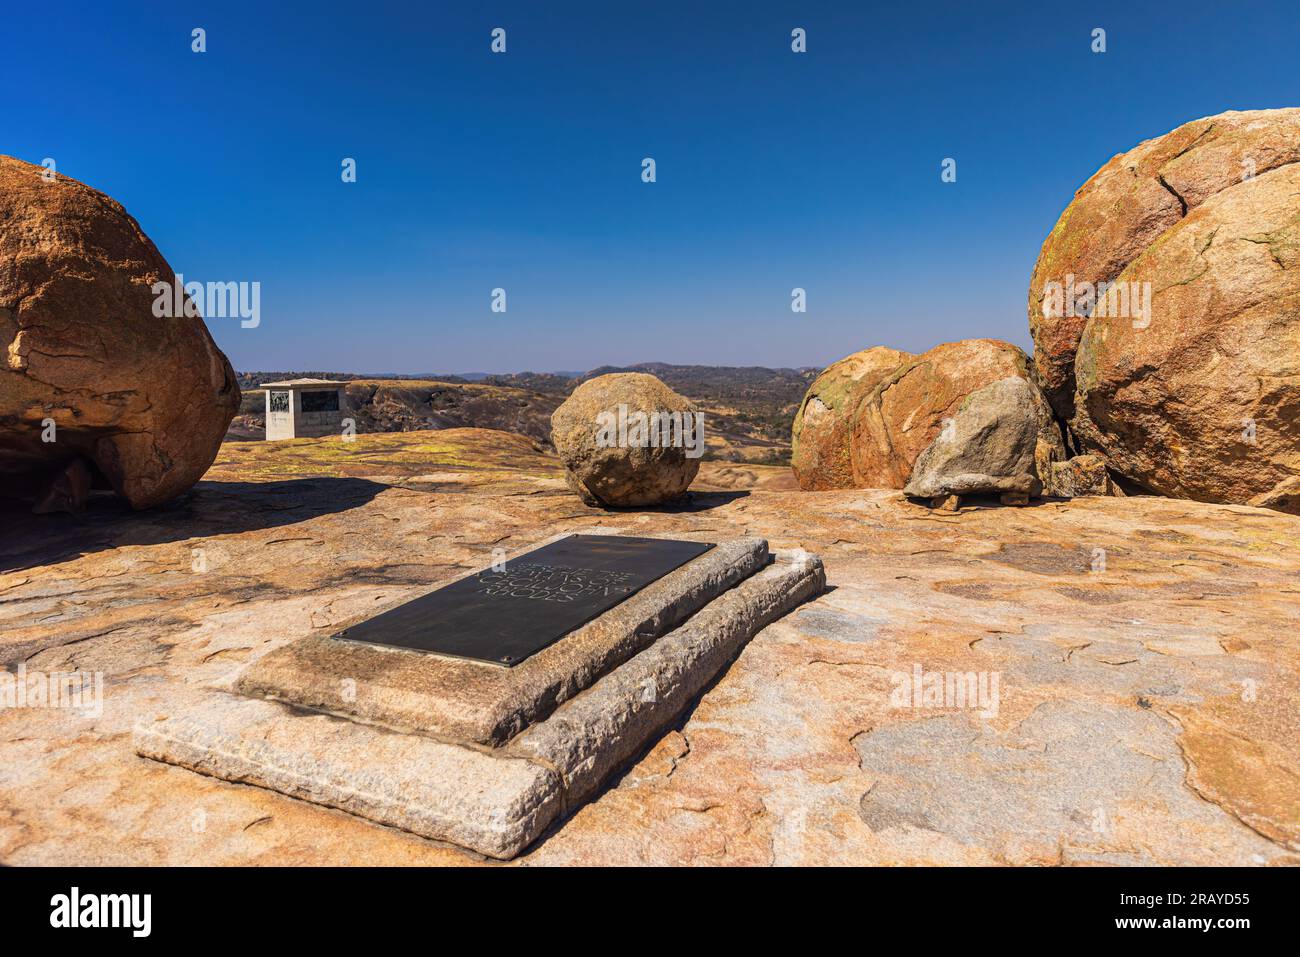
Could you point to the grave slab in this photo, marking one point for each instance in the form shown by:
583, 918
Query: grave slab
511, 610
473, 702
492, 801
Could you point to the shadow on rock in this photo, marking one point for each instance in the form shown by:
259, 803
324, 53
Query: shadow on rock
698, 502
210, 508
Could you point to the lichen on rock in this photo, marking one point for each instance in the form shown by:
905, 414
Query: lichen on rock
920, 406
823, 426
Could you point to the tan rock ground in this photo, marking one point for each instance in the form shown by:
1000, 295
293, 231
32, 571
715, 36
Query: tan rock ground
1146, 697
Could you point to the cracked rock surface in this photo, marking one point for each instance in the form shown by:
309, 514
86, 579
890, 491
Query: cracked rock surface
1204, 403
1145, 652
1130, 202
932, 418
89, 374
1184, 377
823, 427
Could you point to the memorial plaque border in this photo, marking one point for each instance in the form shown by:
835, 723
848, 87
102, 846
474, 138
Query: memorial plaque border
503, 616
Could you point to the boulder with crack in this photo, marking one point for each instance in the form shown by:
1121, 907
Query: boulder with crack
823, 426
990, 445
1127, 205
1165, 310
94, 386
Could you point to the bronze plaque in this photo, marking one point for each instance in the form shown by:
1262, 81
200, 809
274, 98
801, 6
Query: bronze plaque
505, 613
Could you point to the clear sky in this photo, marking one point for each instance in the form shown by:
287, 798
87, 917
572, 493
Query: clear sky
522, 170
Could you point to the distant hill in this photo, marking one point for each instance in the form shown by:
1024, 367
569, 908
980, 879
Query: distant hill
748, 409
254, 380
551, 383
737, 384
410, 405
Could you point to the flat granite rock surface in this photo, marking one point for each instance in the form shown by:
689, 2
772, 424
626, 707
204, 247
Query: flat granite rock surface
1146, 658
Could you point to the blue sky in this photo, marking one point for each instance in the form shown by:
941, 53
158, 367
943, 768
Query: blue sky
523, 170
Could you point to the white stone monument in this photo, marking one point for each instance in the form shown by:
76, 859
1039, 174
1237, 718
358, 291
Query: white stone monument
299, 408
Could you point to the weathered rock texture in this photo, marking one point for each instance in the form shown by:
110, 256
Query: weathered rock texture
491, 803
1178, 651
990, 445
908, 411
146, 400
1127, 206
1080, 475
823, 426
596, 733
1204, 402
621, 475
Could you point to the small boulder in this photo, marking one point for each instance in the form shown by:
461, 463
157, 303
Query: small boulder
989, 446
822, 429
908, 410
627, 440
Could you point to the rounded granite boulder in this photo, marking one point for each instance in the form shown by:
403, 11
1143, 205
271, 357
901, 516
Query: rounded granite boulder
627, 440
823, 426
990, 445
1200, 399
1125, 208
94, 387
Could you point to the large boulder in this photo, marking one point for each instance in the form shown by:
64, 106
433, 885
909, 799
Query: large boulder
1129, 204
909, 409
1203, 402
627, 440
142, 403
823, 425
